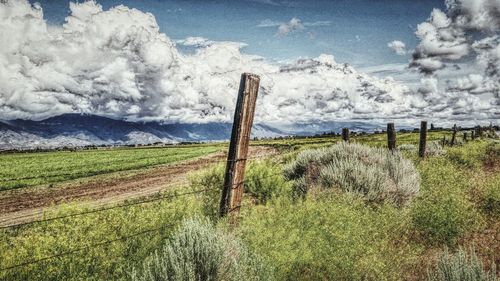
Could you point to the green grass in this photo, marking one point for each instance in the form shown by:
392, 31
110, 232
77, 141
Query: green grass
327, 235
111, 261
19, 170
377, 140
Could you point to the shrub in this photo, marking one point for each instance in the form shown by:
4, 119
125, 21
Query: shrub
492, 155
263, 180
211, 179
377, 174
407, 147
334, 237
434, 148
199, 251
471, 155
443, 212
491, 200
461, 267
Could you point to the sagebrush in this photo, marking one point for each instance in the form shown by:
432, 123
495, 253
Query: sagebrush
377, 174
199, 251
461, 266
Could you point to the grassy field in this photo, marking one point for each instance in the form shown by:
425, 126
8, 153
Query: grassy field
19, 170
30, 169
323, 236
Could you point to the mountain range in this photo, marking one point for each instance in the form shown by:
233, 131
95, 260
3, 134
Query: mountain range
73, 130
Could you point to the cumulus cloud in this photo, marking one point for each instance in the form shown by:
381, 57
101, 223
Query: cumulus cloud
116, 63
398, 47
201, 42
466, 33
440, 40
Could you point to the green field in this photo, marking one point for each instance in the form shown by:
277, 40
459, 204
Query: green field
323, 236
30, 169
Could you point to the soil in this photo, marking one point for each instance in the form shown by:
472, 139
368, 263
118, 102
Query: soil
24, 205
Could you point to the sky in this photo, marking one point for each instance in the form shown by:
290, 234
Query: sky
181, 61
354, 31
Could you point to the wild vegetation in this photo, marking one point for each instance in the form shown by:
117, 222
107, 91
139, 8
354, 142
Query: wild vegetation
376, 173
461, 266
329, 234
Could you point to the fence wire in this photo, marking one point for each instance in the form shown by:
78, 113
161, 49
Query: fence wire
109, 208
134, 203
149, 200
77, 250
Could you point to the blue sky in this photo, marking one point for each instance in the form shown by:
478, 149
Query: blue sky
354, 31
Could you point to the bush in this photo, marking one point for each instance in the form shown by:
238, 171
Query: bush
472, 155
407, 147
334, 237
263, 180
461, 267
377, 174
491, 200
443, 212
434, 148
199, 251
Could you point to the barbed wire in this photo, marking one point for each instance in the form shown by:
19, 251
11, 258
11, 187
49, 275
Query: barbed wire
76, 250
131, 204
83, 175
110, 208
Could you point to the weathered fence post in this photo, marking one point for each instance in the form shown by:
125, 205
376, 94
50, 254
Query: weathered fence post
423, 139
465, 136
472, 134
238, 147
454, 135
391, 136
478, 132
345, 134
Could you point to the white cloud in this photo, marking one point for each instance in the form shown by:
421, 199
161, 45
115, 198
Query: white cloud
467, 34
439, 40
398, 47
293, 25
199, 42
269, 23
116, 63
195, 41
318, 23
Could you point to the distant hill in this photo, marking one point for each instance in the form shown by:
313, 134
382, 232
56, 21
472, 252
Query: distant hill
83, 129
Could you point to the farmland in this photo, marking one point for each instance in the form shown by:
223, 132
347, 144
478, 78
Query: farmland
19, 170
325, 235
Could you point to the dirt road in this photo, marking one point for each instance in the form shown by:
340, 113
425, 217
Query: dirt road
26, 204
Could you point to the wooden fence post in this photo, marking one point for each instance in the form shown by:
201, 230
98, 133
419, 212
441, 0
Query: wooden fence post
238, 147
345, 134
454, 135
423, 139
472, 135
391, 136
465, 136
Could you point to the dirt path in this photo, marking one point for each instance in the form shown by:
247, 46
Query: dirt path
27, 204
